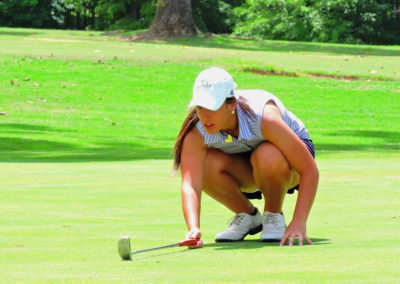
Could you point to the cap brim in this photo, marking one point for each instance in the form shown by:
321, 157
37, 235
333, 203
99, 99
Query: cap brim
207, 101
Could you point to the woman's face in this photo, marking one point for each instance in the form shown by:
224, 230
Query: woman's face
214, 121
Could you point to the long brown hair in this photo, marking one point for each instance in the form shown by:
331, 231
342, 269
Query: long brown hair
191, 120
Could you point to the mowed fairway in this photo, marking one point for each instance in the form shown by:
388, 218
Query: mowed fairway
61, 222
85, 158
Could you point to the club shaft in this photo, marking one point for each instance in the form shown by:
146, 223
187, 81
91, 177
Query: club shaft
161, 247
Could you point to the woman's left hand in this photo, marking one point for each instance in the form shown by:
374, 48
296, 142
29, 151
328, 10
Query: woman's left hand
295, 229
195, 233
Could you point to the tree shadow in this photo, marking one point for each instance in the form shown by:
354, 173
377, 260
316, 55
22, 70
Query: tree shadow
388, 140
16, 33
224, 42
19, 128
43, 151
29, 127
23, 147
387, 135
256, 244
105, 148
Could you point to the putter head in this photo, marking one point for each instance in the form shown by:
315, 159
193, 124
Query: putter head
124, 248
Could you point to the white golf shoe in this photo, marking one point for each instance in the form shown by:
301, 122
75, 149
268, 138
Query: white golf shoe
241, 225
273, 227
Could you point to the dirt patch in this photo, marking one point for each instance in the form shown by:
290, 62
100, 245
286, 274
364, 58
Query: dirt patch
269, 72
148, 36
114, 32
308, 74
341, 77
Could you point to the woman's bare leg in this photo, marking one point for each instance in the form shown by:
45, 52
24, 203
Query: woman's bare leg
272, 175
224, 175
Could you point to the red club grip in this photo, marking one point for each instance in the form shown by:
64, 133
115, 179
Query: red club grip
188, 242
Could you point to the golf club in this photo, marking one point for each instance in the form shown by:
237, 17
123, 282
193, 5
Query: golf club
125, 252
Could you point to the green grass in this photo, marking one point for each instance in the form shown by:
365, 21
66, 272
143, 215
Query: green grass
76, 106
61, 222
85, 158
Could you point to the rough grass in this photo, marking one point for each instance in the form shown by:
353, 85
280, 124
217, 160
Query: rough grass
90, 110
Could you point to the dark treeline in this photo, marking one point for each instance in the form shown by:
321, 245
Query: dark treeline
346, 21
210, 15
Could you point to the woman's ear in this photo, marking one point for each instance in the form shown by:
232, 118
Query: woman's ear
232, 106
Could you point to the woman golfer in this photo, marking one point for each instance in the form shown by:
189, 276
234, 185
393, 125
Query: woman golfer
236, 146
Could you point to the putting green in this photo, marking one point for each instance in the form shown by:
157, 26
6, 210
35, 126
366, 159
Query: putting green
60, 222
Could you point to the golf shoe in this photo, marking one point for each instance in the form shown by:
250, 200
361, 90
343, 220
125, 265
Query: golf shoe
241, 225
273, 227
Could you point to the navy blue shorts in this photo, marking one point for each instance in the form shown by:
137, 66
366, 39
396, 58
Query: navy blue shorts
258, 195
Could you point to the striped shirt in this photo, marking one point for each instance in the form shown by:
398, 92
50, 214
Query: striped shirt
249, 127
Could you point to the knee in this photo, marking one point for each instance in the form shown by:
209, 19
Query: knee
269, 161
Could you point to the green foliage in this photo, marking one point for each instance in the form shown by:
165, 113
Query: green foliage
357, 21
278, 19
79, 14
124, 14
349, 21
29, 13
345, 21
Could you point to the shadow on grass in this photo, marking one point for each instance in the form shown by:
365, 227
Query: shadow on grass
355, 147
256, 244
16, 33
387, 140
248, 244
23, 147
387, 135
41, 151
152, 255
286, 46
5, 127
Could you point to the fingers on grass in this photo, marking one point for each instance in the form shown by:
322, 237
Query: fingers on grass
199, 244
300, 240
284, 240
308, 240
291, 240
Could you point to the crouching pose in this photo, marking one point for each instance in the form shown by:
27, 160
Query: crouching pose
237, 145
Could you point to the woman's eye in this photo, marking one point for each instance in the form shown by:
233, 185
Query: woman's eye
198, 107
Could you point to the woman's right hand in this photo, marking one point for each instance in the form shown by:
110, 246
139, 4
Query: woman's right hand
195, 233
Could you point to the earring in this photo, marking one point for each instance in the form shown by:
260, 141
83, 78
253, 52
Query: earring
233, 112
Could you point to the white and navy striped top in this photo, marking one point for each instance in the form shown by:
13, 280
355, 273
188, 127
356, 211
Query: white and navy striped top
250, 128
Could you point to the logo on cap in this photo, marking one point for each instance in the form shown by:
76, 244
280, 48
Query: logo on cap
204, 86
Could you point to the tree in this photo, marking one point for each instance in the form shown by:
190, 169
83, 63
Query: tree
173, 18
396, 12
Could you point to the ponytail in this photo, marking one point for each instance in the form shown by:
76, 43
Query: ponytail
188, 124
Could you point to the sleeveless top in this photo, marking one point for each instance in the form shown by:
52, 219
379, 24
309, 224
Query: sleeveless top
250, 127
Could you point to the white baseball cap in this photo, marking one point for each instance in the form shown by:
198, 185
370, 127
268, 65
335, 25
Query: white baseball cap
211, 88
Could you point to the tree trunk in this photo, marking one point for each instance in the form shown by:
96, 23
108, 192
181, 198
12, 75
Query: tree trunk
173, 18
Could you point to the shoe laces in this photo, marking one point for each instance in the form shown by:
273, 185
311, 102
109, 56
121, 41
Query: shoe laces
236, 220
271, 219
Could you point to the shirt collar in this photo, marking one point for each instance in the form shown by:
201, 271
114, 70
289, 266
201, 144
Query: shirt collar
221, 135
